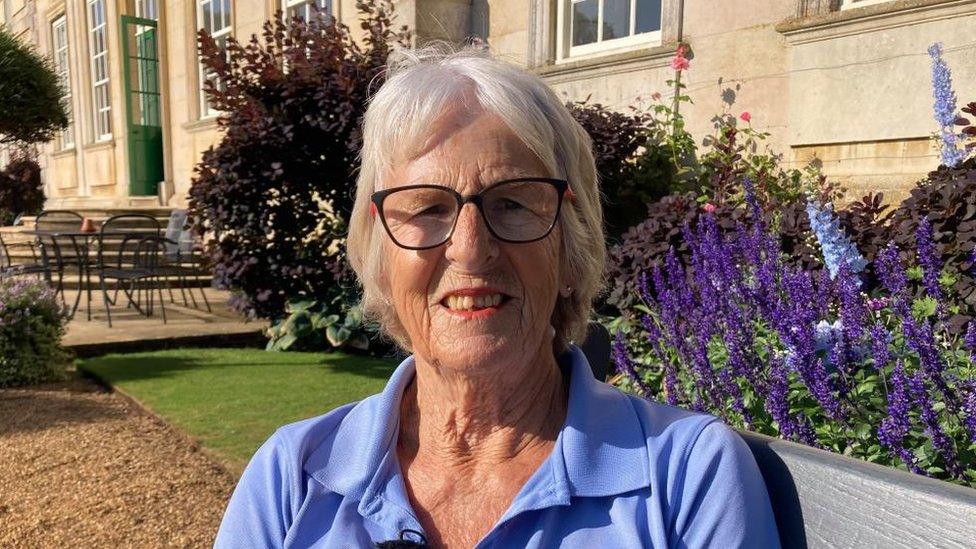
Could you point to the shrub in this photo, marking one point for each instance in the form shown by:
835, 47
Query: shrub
274, 194
740, 333
947, 199
21, 190
634, 164
32, 98
32, 322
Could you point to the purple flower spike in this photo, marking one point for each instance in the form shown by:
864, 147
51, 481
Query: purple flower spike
893, 428
971, 339
880, 339
930, 418
928, 259
626, 367
969, 407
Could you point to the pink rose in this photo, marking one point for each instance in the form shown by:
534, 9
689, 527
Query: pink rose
679, 63
709, 207
745, 116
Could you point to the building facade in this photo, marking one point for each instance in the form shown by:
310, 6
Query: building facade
843, 82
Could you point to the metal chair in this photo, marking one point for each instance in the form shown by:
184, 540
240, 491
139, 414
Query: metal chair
181, 260
122, 261
10, 269
58, 253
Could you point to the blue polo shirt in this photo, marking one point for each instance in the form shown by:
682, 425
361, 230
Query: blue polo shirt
624, 472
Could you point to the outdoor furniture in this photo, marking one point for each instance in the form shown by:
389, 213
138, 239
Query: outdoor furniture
122, 263
59, 249
823, 499
181, 259
10, 269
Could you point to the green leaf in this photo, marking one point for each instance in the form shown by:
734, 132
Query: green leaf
360, 342
286, 342
337, 336
299, 324
914, 273
924, 307
300, 305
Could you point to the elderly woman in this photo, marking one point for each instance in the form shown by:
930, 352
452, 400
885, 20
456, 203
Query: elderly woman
477, 237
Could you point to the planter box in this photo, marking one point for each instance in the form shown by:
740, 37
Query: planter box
822, 499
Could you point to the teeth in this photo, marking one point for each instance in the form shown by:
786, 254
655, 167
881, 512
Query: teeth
467, 302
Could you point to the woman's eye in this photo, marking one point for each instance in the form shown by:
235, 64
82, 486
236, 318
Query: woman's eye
434, 210
511, 205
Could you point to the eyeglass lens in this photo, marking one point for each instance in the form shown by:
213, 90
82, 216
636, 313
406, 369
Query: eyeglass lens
517, 212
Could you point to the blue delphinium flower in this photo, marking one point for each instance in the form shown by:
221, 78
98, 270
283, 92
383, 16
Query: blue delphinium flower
837, 248
971, 339
827, 333
945, 108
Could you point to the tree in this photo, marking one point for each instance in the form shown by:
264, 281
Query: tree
273, 196
32, 106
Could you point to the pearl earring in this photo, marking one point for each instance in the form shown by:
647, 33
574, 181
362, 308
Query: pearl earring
566, 291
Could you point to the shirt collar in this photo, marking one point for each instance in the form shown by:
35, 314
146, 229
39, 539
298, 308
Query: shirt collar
600, 451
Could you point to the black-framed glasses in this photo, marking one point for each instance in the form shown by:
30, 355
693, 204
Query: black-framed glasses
420, 217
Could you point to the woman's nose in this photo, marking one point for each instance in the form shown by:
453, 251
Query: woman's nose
471, 245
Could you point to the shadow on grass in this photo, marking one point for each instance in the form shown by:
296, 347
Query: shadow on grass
122, 368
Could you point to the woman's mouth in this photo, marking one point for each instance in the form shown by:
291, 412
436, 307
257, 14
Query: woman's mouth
474, 306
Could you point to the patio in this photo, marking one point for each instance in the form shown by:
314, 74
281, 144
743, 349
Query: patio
133, 331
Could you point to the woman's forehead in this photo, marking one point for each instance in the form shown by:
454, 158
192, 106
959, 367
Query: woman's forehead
475, 154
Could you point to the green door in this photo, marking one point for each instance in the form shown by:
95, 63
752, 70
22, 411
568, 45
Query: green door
145, 133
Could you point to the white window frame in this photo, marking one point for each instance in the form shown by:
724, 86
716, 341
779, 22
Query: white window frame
565, 29
289, 7
61, 56
851, 4
98, 38
206, 110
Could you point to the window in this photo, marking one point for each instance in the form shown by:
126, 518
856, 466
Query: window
59, 35
98, 49
848, 4
213, 16
146, 9
595, 25
303, 8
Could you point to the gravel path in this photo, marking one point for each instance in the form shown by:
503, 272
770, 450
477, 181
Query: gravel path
81, 467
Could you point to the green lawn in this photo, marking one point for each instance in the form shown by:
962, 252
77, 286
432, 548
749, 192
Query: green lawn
231, 400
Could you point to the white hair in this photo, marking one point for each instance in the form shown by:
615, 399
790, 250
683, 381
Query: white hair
421, 85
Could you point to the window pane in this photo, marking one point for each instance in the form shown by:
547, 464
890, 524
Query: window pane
648, 16
616, 19
218, 14
584, 22
207, 20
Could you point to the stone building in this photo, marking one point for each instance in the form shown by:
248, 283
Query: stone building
843, 81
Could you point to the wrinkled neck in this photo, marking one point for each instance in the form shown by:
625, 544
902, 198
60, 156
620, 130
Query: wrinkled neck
453, 417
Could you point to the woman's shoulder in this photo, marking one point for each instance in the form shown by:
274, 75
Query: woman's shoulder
684, 435
303, 437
